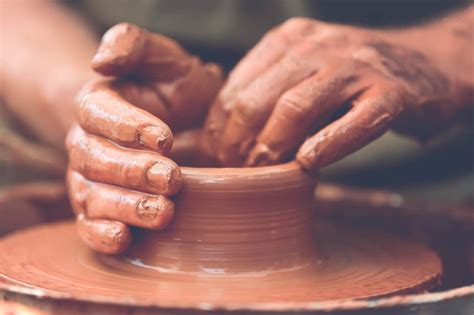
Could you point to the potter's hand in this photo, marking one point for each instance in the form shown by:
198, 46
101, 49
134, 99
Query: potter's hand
118, 172
341, 86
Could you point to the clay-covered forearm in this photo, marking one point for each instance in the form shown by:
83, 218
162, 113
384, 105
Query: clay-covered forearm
444, 47
45, 59
448, 43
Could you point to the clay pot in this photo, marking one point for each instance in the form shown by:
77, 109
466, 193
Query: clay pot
234, 220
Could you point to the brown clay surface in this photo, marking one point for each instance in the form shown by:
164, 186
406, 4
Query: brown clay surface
54, 261
241, 238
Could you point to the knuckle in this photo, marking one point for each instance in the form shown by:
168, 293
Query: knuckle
73, 134
366, 54
246, 107
85, 103
122, 26
292, 104
120, 29
83, 154
330, 35
297, 24
78, 192
81, 144
76, 151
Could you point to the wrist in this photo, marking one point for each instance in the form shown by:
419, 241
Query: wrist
445, 47
447, 43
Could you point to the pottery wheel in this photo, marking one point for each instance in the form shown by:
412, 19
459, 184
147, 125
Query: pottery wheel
52, 260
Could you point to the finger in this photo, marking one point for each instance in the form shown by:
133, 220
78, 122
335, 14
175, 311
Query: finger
127, 49
103, 161
144, 96
272, 47
186, 86
74, 133
77, 192
181, 103
188, 97
102, 201
296, 111
185, 148
369, 118
212, 131
269, 50
102, 111
108, 237
256, 102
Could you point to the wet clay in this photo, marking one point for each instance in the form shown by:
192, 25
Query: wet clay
241, 238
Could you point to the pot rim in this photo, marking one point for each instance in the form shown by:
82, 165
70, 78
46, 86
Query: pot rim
290, 166
247, 178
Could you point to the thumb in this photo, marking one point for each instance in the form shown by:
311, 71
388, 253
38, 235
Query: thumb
128, 50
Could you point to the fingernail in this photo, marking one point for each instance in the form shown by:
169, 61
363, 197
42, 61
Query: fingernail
157, 211
147, 209
156, 138
109, 237
262, 155
306, 155
120, 50
165, 176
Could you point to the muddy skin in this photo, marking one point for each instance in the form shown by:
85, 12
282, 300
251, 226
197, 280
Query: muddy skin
279, 100
287, 87
119, 173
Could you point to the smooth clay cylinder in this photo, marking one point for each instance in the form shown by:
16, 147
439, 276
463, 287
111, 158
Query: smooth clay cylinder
232, 220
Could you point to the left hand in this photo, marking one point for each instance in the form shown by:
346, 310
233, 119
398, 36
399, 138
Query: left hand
120, 173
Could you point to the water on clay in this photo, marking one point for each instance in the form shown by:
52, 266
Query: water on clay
241, 238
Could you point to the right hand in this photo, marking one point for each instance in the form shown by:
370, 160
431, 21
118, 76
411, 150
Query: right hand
118, 172
319, 91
